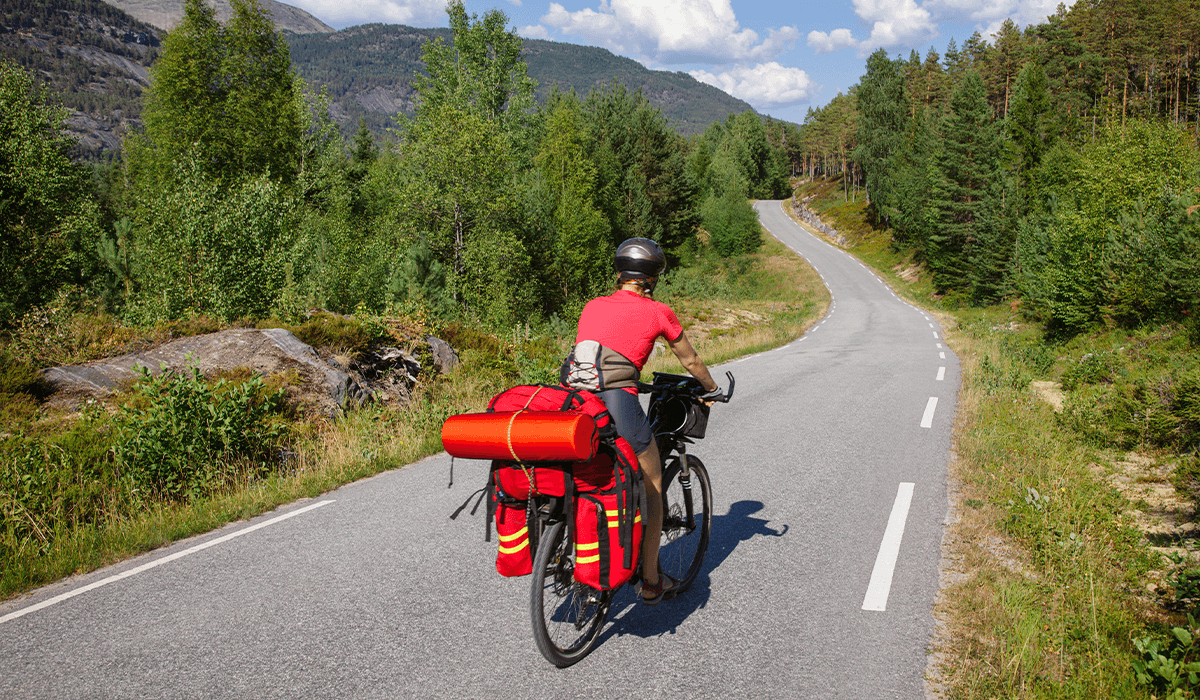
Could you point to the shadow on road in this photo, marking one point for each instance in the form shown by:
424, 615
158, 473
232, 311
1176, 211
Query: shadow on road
628, 616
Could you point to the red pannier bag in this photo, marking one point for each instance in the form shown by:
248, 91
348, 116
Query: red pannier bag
513, 557
604, 557
607, 519
553, 433
521, 435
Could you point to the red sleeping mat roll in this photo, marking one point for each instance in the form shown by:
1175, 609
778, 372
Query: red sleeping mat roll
530, 436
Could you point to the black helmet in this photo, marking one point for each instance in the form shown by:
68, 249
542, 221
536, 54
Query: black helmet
640, 258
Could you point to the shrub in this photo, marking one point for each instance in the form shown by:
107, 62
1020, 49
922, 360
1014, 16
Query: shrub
190, 437
732, 223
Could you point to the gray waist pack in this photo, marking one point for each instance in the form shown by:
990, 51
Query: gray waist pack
593, 367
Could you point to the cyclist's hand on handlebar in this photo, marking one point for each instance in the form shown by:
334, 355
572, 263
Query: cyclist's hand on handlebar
711, 397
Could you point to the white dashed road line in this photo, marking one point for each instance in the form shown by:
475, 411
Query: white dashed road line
927, 419
889, 551
941, 374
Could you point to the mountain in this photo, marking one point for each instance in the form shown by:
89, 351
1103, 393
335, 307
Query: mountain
368, 71
164, 14
95, 58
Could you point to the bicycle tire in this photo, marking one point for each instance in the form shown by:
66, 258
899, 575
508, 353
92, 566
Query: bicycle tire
567, 615
683, 548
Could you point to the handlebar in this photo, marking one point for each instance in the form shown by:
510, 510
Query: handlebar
686, 386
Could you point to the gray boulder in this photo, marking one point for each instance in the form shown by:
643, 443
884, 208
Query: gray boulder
265, 351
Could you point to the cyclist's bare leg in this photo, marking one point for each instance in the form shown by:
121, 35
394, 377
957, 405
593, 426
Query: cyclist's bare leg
652, 518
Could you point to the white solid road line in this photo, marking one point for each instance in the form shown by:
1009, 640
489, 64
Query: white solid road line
941, 374
157, 562
927, 419
889, 551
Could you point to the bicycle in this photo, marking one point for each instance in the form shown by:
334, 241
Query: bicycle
569, 616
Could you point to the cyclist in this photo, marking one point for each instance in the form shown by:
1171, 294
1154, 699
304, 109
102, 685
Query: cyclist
625, 325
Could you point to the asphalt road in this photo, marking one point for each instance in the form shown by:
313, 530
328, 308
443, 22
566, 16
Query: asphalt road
375, 591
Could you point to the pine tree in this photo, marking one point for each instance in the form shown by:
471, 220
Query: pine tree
1031, 122
881, 124
967, 165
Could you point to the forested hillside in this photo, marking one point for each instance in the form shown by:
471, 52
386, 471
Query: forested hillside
94, 57
370, 73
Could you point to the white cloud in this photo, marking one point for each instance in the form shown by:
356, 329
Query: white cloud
533, 31
992, 13
902, 23
338, 13
764, 86
671, 31
824, 43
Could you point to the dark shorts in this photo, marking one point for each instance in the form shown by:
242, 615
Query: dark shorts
627, 413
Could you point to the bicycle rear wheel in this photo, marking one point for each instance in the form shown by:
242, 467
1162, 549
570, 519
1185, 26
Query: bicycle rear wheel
687, 521
567, 615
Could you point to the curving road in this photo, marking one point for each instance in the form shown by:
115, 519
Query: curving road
828, 470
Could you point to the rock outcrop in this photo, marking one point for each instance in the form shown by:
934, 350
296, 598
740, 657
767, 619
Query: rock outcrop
265, 351
321, 380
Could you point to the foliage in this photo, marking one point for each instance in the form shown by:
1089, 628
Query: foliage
732, 223
881, 129
48, 226
1117, 241
223, 97
1168, 665
200, 249
188, 436
481, 70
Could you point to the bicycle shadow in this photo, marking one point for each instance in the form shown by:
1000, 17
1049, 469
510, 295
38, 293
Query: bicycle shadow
628, 616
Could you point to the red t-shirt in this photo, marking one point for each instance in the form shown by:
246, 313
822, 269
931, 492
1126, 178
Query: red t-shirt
628, 323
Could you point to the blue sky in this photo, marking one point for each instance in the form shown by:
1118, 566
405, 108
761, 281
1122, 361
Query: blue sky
781, 57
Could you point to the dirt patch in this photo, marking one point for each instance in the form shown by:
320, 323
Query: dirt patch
705, 325
910, 273
1051, 393
1165, 517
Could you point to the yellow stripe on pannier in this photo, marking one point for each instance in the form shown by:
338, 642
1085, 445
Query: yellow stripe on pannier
612, 517
516, 535
509, 550
580, 548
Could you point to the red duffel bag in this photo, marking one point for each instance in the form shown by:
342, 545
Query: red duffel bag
524, 436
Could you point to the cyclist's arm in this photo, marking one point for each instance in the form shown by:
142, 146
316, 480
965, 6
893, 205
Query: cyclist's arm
682, 347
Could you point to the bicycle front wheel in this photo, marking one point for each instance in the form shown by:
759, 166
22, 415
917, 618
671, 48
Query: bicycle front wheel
567, 615
687, 520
